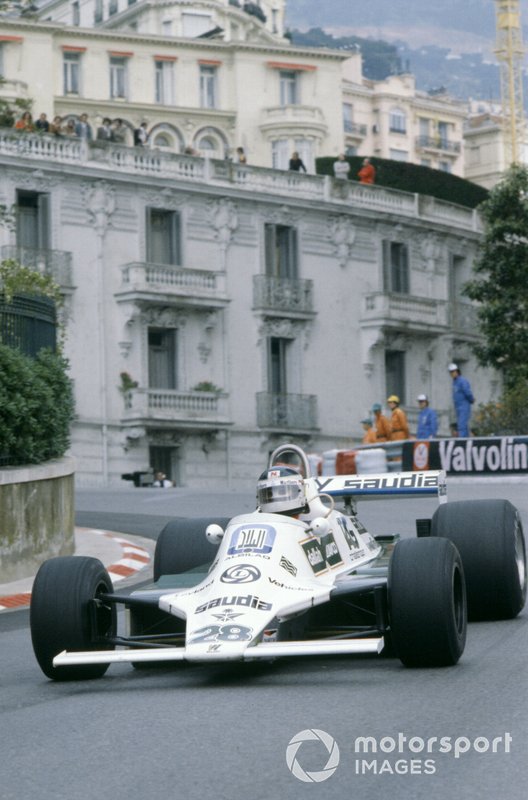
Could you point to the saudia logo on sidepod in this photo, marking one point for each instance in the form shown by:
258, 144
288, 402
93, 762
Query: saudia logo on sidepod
247, 601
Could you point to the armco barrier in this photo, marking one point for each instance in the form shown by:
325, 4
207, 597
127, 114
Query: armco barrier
493, 455
36, 516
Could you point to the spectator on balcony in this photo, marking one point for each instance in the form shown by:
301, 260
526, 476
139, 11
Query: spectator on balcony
56, 126
119, 131
83, 129
381, 424
190, 151
42, 123
241, 156
104, 131
427, 419
369, 435
398, 423
161, 481
367, 173
69, 128
341, 167
25, 123
141, 135
296, 163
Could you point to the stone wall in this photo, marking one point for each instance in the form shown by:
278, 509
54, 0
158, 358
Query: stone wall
36, 516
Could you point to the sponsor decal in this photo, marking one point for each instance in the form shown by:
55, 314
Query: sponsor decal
196, 591
287, 565
281, 585
247, 601
240, 573
349, 534
322, 554
481, 455
386, 483
227, 616
421, 455
221, 633
252, 539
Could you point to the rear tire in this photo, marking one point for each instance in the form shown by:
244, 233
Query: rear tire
182, 546
62, 616
427, 603
489, 537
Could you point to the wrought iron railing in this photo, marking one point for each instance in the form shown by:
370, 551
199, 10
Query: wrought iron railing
438, 143
55, 263
283, 294
28, 323
286, 411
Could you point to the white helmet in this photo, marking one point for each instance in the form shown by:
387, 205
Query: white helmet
280, 490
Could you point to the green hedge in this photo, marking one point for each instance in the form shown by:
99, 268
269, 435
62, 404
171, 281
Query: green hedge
36, 407
413, 178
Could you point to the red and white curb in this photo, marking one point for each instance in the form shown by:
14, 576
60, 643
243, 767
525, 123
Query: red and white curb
133, 560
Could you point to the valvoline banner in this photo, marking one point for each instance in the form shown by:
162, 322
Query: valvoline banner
495, 455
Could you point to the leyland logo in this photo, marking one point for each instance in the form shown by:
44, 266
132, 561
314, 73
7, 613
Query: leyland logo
329, 745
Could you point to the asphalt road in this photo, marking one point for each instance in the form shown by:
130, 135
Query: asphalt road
204, 732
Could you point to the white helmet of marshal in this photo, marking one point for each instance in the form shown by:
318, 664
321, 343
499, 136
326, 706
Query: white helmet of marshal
280, 490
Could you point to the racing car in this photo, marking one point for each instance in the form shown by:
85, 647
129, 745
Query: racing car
297, 577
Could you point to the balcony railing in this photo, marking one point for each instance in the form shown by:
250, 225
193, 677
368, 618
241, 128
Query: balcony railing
437, 143
416, 313
143, 280
355, 128
55, 263
283, 295
202, 409
287, 411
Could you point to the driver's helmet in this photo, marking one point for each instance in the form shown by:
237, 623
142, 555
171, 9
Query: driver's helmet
280, 490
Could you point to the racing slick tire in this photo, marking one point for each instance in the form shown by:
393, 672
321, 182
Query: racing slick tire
63, 617
427, 603
489, 537
182, 546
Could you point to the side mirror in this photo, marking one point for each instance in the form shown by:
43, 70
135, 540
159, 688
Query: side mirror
320, 526
214, 533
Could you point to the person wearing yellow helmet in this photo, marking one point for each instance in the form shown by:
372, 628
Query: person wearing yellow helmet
398, 421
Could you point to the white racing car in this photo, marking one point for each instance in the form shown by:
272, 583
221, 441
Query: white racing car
297, 577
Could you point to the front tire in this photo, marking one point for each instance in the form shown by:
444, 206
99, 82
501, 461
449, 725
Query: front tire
63, 615
182, 546
427, 603
489, 537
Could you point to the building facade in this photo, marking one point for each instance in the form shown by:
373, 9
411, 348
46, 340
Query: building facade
214, 310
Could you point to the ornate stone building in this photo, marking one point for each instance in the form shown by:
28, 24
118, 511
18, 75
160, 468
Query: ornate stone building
214, 310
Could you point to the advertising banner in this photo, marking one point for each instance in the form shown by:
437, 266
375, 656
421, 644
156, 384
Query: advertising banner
494, 455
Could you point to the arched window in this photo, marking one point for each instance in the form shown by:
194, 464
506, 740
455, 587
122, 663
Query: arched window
397, 120
162, 140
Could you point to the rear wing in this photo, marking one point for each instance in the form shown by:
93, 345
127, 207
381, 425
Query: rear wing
393, 484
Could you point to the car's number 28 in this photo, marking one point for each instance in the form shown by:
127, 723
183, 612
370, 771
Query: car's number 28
221, 633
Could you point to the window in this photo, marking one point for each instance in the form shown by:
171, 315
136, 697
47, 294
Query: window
281, 251
164, 93
118, 77
395, 267
163, 236
98, 11
443, 133
289, 88
112, 8
305, 149
162, 373
166, 27
397, 121
208, 86
32, 220
424, 127
351, 151
425, 162
395, 373
76, 13
162, 140
444, 166
348, 112
280, 154
194, 24
277, 364
71, 67
398, 155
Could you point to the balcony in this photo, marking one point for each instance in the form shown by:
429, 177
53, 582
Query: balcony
169, 408
354, 130
293, 118
283, 297
14, 90
55, 263
295, 413
437, 143
404, 312
143, 282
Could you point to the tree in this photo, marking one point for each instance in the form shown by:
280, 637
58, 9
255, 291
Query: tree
500, 284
